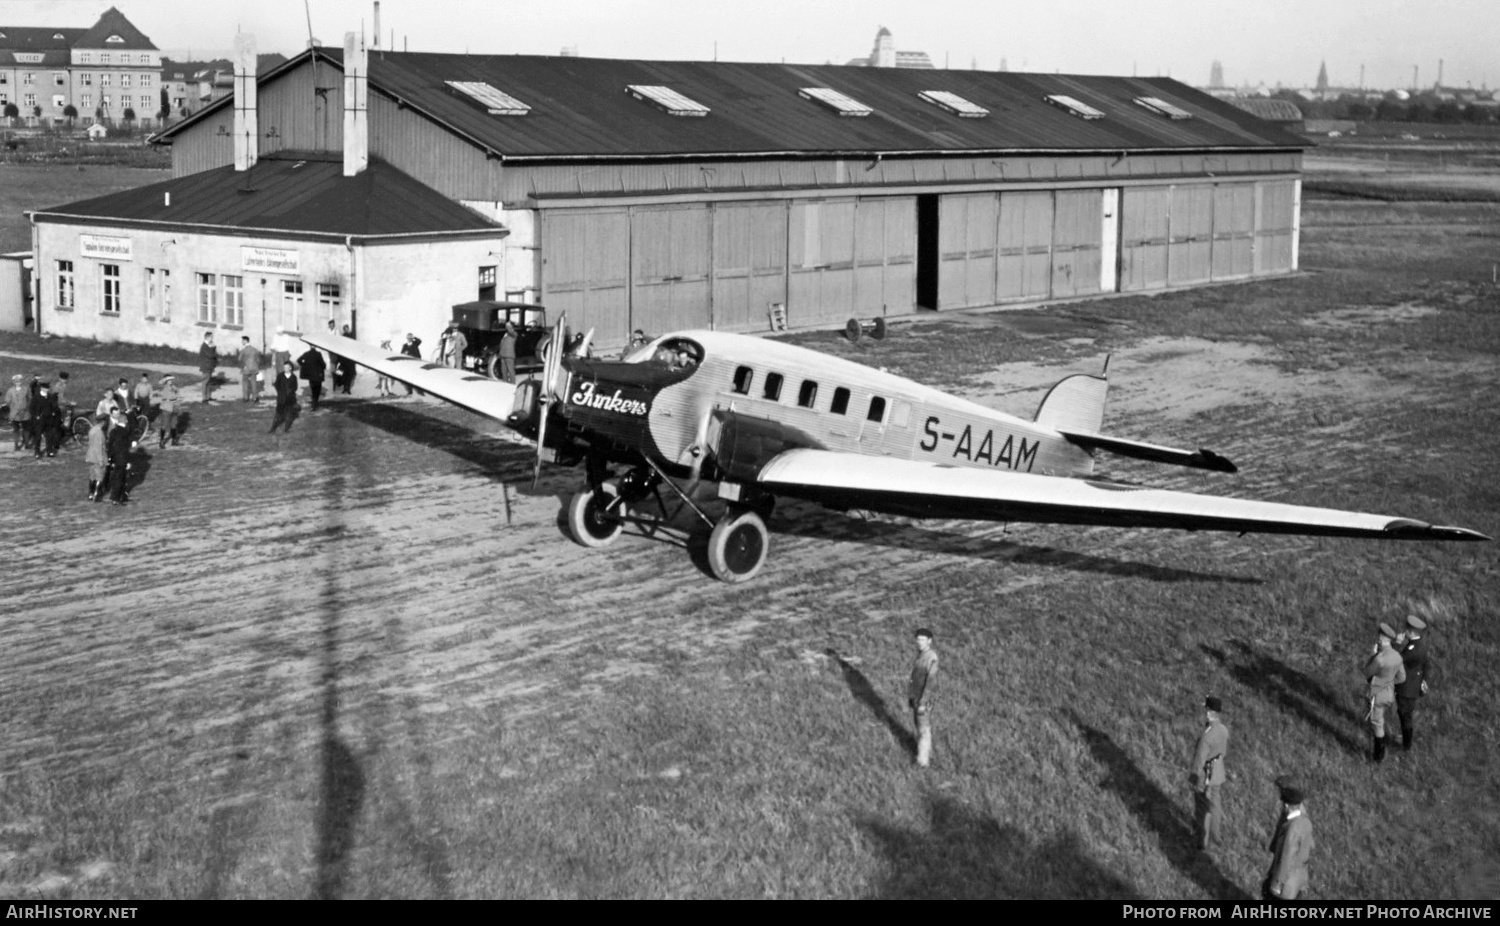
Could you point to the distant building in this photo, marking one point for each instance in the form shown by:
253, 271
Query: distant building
191, 85
885, 55
1216, 76
100, 72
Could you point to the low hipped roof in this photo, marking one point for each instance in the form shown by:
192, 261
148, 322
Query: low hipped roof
580, 108
296, 193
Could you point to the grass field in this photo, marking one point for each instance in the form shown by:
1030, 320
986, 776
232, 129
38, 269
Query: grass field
25, 187
363, 661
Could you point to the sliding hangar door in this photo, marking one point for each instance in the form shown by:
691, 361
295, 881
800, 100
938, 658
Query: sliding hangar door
725, 265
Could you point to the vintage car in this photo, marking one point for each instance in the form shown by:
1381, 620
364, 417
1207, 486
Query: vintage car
483, 324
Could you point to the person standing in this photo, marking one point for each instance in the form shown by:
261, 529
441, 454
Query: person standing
383, 382
141, 395
508, 353
1207, 775
249, 371
46, 421
281, 348
208, 361
286, 398
124, 398
314, 369
412, 348
1385, 672
18, 398
60, 389
117, 446
343, 367
1413, 649
96, 458
1291, 848
167, 402
919, 693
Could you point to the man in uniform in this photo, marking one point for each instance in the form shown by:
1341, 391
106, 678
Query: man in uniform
1385, 672
117, 447
1206, 774
508, 353
166, 417
1413, 649
1291, 846
919, 693
46, 421
250, 359
19, 400
208, 361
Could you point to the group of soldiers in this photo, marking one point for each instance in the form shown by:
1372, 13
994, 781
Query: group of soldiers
1396, 675
38, 413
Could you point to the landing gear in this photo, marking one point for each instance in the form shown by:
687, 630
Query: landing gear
737, 546
593, 516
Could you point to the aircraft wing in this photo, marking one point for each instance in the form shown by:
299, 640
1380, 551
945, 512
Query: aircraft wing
930, 490
463, 388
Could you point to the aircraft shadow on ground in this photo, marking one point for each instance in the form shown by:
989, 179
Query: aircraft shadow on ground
1157, 812
1317, 705
501, 461
962, 853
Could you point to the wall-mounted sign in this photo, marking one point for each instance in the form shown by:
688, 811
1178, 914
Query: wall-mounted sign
105, 247
270, 260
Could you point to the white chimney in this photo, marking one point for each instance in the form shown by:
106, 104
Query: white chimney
376, 43
246, 125
356, 103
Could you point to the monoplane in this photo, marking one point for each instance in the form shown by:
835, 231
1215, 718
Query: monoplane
707, 415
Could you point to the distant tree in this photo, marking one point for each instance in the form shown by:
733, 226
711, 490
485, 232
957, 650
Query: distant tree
1448, 111
1390, 110
1419, 111
128, 115
1361, 111
12, 112
99, 114
70, 112
165, 109
36, 112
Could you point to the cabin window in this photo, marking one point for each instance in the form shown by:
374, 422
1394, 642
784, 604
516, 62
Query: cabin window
840, 401
743, 377
808, 394
877, 409
773, 386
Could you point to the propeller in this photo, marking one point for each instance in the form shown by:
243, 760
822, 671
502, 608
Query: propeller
551, 362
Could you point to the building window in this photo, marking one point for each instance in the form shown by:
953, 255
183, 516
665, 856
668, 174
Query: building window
145, 59
65, 290
145, 80
30, 101
86, 79
208, 298
291, 305
86, 100
109, 277
164, 303
104, 102
83, 57
104, 79
104, 57
329, 303
27, 78
124, 80
59, 79
153, 292
234, 300
486, 282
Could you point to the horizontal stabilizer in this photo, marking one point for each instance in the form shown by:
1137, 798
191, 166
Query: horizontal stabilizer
1198, 459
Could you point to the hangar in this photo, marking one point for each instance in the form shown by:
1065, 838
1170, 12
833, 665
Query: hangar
660, 195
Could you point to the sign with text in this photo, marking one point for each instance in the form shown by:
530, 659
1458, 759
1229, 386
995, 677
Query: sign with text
105, 247
270, 260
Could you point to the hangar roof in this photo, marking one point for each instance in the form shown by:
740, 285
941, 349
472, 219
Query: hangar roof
296, 192
580, 108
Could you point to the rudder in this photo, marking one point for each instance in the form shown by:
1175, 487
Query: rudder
1076, 403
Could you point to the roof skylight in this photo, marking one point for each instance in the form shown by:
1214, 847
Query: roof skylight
836, 101
669, 100
495, 102
954, 104
1163, 108
1076, 107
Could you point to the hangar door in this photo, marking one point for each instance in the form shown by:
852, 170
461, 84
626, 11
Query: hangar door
1275, 225
586, 270
1234, 230
749, 265
1190, 247
968, 249
669, 260
885, 256
1025, 258
1145, 229
1076, 242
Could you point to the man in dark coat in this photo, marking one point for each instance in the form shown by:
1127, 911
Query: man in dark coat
1412, 645
412, 348
1291, 847
286, 398
314, 369
46, 420
117, 445
208, 361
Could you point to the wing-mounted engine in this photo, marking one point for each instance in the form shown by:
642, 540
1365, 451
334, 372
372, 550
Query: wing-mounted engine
744, 444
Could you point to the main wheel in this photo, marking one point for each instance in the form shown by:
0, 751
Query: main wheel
588, 521
138, 428
81, 427
737, 547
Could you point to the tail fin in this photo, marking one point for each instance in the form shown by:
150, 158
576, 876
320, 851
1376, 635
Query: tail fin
1076, 403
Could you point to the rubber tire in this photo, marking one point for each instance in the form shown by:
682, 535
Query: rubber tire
852, 330
737, 547
81, 426
584, 522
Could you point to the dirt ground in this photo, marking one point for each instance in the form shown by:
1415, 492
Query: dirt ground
394, 552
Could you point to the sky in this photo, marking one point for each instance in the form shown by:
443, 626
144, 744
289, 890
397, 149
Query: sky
1275, 42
